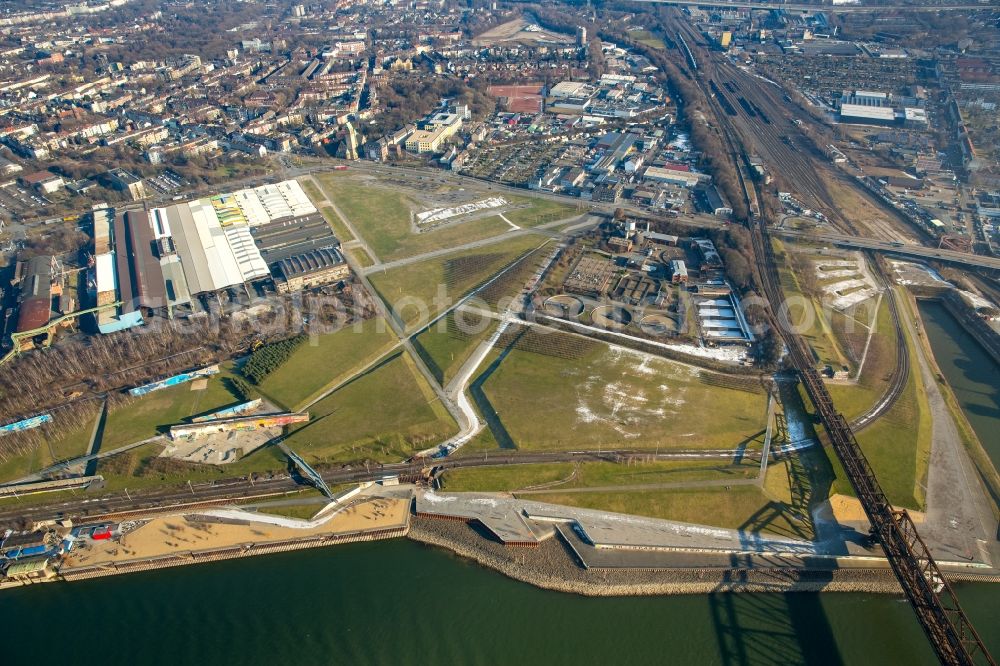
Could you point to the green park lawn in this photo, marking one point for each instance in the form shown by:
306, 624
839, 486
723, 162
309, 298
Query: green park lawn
447, 344
54, 448
385, 414
141, 467
151, 414
538, 211
646, 38
321, 362
737, 507
411, 290
607, 397
340, 229
854, 399
807, 316
897, 445
383, 217
591, 475
360, 257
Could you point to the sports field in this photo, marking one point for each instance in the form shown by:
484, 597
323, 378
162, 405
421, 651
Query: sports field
562, 393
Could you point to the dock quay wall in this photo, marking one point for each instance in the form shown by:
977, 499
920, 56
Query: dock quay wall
972, 323
554, 565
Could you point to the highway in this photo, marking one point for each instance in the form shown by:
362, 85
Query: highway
894, 247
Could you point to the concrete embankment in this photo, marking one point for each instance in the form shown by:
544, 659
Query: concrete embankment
551, 566
965, 315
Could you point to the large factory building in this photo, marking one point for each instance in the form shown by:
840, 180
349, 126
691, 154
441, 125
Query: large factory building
154, 262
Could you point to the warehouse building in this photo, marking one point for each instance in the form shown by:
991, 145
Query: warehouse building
675, 175
35, 295
286, 238
875, 108
310, 269
152, 262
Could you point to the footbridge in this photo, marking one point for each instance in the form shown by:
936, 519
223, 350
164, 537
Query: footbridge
308, 472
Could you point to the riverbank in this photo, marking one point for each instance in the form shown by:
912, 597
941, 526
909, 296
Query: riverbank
551, 566
174, 540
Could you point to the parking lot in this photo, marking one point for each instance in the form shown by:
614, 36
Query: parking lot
17, 202
167, 182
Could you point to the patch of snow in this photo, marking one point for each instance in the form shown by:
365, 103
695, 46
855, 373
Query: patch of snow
439, 214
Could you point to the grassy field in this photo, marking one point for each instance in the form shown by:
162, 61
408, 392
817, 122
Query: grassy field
539, 211
412, 288
143, 468
382, 216
386, 414
71, 445
445, 346
322, 362
299, 511
340, 229
590, 475
604, 397
647, 38
504, 479
311, 190
738, 507
897, 445
854, 399
150, 414
360, 257
807, 316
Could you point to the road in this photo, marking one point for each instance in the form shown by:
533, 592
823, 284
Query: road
890, 247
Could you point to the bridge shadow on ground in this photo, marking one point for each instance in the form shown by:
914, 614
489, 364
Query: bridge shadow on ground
773, 628
781, 627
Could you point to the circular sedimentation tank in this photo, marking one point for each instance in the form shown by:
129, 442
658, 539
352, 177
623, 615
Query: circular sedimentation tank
564, 305
611, 316
655, 324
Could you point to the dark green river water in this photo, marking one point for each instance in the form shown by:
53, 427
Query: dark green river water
972, 373
398, 602
401, 603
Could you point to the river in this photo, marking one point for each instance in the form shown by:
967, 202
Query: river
403, 603
971, 372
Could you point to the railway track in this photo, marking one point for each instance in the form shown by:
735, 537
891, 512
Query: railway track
901, 374
948, 629
118, 504
802, 170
